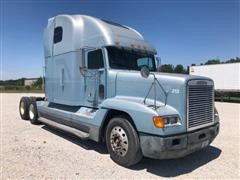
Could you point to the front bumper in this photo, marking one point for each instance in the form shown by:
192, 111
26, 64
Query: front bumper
177, 146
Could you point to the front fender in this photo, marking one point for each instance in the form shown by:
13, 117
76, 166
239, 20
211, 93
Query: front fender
141, 114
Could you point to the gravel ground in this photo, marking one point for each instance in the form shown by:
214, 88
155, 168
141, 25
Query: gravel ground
40, 152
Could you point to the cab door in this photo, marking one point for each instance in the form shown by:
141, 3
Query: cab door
94, 78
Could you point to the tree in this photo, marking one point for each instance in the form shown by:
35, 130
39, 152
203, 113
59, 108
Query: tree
38, 83
28, 88
167, 68
232, 60
213, 61
20, 82
217, 61
187, 70
179, 69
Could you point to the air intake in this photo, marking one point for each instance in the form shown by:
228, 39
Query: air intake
200, 104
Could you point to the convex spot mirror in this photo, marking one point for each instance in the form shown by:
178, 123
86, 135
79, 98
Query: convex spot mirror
145, 72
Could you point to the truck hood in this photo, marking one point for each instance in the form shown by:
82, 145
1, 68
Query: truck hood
130, 85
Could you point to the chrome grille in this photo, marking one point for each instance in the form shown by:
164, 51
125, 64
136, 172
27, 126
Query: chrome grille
200, 105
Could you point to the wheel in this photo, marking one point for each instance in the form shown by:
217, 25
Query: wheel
123, 142
23, 107
32, 112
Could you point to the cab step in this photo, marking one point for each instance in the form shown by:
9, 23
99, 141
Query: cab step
76, 132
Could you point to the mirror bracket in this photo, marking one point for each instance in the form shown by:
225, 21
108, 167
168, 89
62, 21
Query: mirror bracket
145, 74
82, 70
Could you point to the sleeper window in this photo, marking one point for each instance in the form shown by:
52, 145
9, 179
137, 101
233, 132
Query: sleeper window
95, 59
58, 32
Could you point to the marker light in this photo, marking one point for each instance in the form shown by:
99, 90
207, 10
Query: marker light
158, 121
135, 46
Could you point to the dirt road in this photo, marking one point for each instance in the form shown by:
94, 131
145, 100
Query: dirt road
29, 151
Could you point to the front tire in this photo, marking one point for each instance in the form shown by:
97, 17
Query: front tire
123, 142
33, 113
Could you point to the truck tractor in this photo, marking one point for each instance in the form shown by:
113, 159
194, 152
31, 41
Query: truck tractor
101, 82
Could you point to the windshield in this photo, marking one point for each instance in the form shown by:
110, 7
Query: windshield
129, 59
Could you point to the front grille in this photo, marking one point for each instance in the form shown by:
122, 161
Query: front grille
200, 104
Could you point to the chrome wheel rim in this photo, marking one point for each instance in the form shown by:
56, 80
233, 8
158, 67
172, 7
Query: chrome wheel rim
31, 111
22, 107
119, 141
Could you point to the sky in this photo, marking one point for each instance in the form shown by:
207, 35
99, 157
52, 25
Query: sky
183, 32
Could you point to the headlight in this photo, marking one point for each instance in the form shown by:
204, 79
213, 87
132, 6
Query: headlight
171, 120
165, 121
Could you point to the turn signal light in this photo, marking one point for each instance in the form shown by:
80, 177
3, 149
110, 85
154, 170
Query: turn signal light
135, 46
158, 121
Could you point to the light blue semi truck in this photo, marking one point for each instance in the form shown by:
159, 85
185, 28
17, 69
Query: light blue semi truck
102, 83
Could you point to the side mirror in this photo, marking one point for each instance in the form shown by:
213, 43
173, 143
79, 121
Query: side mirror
158, 63
145, 72
82, 67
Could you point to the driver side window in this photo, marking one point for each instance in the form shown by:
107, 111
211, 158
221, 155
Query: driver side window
95, 59
144, 62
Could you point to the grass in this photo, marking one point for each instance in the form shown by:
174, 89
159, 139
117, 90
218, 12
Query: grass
228, 99
22, 91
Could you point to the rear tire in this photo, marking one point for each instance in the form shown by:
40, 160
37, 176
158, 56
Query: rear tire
123, 142
33, 112
23, 107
